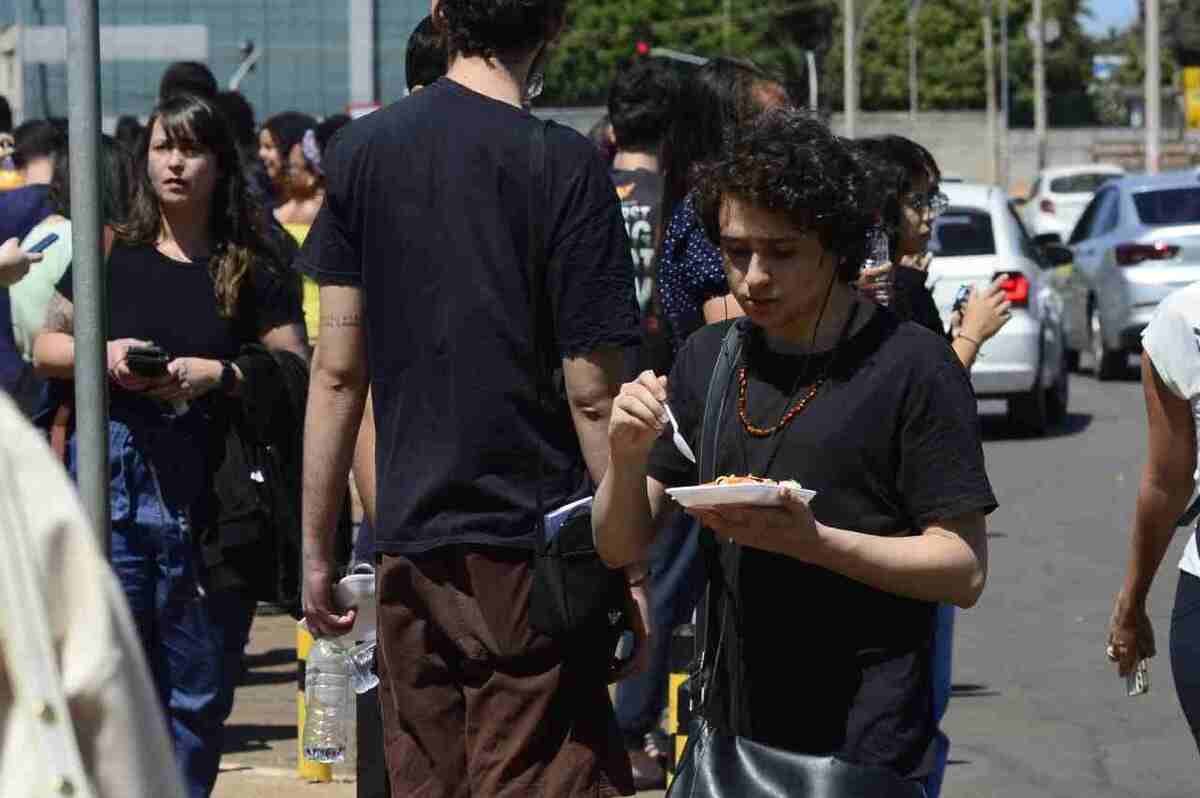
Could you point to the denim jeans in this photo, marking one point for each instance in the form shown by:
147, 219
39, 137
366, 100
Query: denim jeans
943, 650
157, 476
676, 584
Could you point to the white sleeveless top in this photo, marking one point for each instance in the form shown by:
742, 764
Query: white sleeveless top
1172, 340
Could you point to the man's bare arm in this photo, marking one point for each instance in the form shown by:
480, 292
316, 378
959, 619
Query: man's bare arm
364, 460
592, 381
54, 345
336, 395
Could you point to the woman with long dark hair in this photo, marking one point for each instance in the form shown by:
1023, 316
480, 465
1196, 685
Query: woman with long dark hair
720, 96
193, 271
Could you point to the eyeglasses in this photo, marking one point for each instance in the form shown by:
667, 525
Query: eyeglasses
934, 201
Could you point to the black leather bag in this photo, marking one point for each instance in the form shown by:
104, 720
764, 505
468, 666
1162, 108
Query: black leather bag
574, 594
717, 764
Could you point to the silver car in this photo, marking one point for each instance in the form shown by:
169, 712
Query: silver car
1137, 241
980, 239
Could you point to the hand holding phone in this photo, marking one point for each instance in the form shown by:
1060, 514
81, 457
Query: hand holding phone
43, 245
149, 362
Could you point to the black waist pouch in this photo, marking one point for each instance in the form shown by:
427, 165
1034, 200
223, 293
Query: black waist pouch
574, 593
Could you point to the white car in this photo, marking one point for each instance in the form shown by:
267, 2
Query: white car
980, 239
1059, 196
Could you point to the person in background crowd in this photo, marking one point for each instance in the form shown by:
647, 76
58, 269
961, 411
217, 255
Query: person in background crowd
36, 145
31, 296
128, 132
425, 56
239, 113
91, 646
718, 97
306, 193
874, 415
906, 190
275, 140
9, 179
193, 271
641, 102
426, 223
188, 77
1171, 386
601, 135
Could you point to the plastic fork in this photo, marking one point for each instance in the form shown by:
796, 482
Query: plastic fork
677, 438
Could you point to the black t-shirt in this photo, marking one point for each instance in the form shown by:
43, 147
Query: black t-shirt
890, 444
428, 209
155, 298
640, 191
914, 301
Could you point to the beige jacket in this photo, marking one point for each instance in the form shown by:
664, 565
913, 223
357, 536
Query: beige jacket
91, 654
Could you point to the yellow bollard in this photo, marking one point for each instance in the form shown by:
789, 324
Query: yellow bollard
309, 771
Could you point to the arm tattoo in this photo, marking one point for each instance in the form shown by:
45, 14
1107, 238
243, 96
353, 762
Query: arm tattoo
345, 320
60, 315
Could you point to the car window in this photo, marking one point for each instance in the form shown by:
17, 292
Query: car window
1168, 206
1084, 225
963, 231
1024, 242
1087, 183
1107, 214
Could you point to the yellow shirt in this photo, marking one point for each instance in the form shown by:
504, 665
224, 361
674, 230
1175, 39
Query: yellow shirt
312, 294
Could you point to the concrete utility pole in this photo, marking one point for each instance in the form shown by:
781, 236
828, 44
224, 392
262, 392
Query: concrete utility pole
850, 68
914, 11
1153, 86
727, 27
989, 58
89, 279
1039, 83
1005, 157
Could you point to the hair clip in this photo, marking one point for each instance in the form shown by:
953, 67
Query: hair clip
312, 152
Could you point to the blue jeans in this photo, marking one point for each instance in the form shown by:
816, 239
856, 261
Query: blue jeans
158, 473
676, 584
943, 651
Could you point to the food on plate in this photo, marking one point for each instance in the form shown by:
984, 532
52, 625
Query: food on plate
730, 479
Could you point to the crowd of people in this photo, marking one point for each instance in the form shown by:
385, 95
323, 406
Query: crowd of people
488, 316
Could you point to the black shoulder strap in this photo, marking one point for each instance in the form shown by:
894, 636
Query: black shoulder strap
536, 273
710, 432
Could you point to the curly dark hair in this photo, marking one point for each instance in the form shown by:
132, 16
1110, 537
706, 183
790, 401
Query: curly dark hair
787, 160
641, 102
490, 28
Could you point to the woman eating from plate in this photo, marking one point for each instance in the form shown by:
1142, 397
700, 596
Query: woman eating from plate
874, 415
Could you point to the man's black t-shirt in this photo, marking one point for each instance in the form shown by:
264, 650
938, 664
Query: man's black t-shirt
174, 304
428, 208
891, 445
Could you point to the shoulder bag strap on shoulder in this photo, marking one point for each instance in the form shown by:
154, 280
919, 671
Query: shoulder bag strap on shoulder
536, 274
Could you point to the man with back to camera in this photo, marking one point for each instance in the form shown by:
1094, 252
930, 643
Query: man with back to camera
421, 250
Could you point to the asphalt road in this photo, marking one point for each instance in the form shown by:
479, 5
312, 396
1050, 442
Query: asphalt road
1037, 709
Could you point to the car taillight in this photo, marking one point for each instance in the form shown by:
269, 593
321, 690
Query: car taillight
1047, 206
1015, 287
1133, 254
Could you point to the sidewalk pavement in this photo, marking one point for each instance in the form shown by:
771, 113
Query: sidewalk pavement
260, 738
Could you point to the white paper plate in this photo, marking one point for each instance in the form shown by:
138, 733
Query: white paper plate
744, 493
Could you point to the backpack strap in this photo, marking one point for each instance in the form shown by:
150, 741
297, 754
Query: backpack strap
535, 270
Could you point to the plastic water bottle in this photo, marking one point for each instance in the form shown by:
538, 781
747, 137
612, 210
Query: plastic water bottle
878, 253
327, 702
362, 667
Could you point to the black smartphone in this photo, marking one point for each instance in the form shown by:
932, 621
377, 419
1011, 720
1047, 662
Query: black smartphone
43, 244
147, 361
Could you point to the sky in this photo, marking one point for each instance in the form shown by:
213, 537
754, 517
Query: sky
1110, 14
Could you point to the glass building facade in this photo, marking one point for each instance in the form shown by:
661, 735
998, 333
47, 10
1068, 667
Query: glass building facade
310, 49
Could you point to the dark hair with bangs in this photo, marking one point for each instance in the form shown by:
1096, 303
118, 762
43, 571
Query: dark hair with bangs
908, 155
789, 162
490, 28
238, 225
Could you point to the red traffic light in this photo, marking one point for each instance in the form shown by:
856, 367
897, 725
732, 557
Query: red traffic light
643, 48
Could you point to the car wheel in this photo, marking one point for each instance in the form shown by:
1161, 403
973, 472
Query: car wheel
1058, 395
1109, 363
1030, 411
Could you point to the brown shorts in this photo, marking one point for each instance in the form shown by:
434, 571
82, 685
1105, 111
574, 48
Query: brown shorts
475, 703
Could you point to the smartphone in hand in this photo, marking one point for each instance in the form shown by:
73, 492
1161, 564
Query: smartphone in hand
149, 362
43, 245
1138, 681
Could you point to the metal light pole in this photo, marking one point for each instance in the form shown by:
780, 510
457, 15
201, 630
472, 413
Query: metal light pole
989, 57
850, 68
89, 281
1153, 86
1005, 156
1039, 83
914, 10
727, 26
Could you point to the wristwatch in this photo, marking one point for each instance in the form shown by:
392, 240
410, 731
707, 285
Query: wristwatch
228, 377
